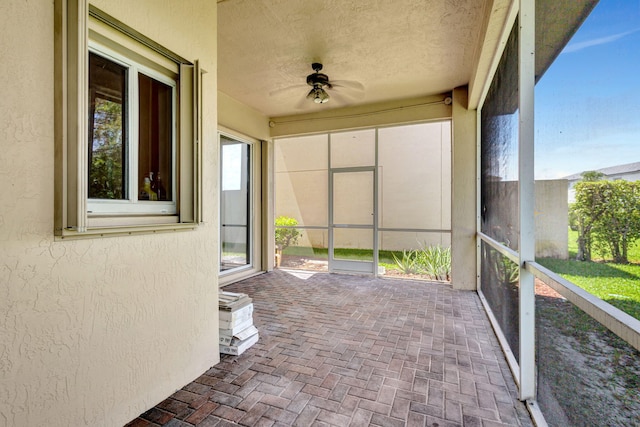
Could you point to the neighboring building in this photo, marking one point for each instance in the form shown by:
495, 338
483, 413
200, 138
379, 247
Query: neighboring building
628, 172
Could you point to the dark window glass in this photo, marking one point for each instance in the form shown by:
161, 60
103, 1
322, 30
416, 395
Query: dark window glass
107, 130
155, 137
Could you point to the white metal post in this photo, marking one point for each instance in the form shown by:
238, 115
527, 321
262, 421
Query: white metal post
376, 242
526, 83
330, 253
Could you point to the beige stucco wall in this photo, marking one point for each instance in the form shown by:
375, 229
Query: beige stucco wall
552, 219
464, 193
235, 116
94, 332
551, 212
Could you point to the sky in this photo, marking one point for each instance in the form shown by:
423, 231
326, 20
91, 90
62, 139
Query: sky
588, 102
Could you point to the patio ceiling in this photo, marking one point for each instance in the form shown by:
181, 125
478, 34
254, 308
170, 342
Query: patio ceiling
397, 49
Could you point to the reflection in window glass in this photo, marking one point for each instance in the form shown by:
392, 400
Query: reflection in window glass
107, 133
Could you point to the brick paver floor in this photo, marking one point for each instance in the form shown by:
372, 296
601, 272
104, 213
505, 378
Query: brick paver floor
338, 350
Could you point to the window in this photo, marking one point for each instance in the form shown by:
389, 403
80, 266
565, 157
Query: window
127, 129
131, 137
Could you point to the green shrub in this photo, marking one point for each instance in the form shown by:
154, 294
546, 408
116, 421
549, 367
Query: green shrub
407, 264
286, 237
434, 261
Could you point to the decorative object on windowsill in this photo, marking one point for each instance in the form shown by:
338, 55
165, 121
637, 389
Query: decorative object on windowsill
153, 189
237, 332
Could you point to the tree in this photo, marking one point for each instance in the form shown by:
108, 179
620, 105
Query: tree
608, 216
583, 213
619, 224
592, 176
286, 237
587, 209
106, 180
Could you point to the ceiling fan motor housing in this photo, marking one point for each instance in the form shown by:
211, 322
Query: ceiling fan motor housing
318, 79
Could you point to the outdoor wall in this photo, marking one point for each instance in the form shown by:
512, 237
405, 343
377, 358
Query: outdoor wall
551, 216
463, 193
237, 117
96, 331
552, 219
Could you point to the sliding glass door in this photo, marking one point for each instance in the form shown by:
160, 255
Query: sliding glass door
235, 204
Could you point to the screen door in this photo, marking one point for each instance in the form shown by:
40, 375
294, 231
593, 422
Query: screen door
352, 238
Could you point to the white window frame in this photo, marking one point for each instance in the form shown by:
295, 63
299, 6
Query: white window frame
76, 23
131, 204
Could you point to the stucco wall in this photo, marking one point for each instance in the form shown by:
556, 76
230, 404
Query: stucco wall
551, 216
238, 117
94, 332
463, 193
552, 219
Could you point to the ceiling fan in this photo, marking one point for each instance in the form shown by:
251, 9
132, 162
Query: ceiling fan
323, 88
319, 82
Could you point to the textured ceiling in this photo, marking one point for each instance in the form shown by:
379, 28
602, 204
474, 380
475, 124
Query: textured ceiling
396, 48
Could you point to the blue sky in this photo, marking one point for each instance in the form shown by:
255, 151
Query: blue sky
588, 102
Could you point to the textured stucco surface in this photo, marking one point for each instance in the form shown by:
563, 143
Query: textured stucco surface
94, 332
397, 49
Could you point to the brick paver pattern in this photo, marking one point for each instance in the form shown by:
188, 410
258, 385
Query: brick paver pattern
339, 350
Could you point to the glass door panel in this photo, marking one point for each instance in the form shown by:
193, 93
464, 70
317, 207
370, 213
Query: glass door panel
235, 204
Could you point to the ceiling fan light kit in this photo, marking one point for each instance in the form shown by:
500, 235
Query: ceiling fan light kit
319, 95
318, 81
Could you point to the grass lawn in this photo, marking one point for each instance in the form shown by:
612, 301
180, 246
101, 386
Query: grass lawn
385, 257
618, 284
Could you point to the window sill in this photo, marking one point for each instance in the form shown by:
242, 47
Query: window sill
98, 232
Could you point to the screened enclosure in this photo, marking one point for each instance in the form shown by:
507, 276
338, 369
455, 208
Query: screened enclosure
362, 200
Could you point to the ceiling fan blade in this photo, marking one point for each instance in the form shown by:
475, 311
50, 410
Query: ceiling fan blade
304, 102
350, 84
340, 99
346, 93
286, 90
